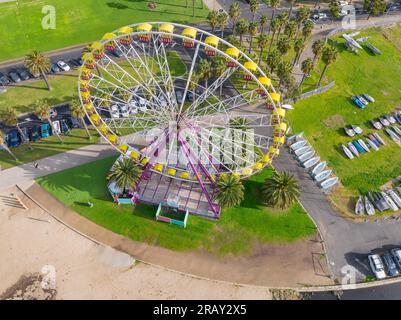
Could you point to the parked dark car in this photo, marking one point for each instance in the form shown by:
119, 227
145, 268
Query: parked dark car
4, 80
79, 61
55, 68
23, 74
14, 76
390, 264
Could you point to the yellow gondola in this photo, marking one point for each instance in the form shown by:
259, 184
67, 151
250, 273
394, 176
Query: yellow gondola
134, 155
189, 33
250, 66
95, 119
213, 42
158, 167
83, 86
86, 74
144, 27
123, 148
126, 39
279, 141
234, 53
273, 151
112, 138
90, 62
89, 107
184, 175
171, 172
86, 97
258, 166
266, 159
275, 97
111, 44
266, 82
98, 51
247, 171
168, 28
279, 129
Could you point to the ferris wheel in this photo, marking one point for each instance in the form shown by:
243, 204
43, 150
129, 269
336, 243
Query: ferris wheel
182, 103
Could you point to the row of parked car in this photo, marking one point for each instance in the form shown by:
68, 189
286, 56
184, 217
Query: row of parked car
387, 264
19, 74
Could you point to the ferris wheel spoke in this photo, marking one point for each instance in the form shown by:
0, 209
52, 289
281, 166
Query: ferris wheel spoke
164, 68
213, 87
227, 120
131, 122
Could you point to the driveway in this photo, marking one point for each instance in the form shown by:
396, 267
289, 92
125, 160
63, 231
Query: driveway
347, 242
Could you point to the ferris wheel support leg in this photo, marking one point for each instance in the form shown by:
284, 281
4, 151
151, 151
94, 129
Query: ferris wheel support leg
215, 208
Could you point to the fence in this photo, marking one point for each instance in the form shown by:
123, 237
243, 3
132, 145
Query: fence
313, 92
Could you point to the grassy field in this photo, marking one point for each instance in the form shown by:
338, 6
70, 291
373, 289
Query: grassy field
80, 21
77, 138
323, 117
237, 232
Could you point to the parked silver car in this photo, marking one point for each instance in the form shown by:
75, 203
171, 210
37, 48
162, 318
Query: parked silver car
376, 264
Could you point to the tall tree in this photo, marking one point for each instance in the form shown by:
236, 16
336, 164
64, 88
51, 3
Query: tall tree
78, 113
213, 19
374, 7
273, 59
37, 63
42, 111
274, 4
242, 28
229, 191
282, 19
291, 3
126, 174
10, 119
283, 45
205, 70
263, 23
281, 190
253, 7
284, 71
302, 15
335, 9
4, 145
330, 54
219, 67
274, 26
263, 40
307, 29
234, 12
290, 29
299, 47
317, 49
252, 30
222, 19
194, 84
306, 67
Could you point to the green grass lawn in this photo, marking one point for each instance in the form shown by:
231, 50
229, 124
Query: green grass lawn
80, 21
238, 230
77, 138
323, 117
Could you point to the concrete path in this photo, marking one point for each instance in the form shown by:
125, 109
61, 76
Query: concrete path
347, 242
27, 172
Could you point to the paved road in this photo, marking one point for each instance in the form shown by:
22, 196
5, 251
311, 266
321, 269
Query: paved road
347, 242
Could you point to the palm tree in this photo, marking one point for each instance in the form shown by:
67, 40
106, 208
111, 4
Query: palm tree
290, 29
253, 7
241, 28
4, 145
307, 29
335, 9
273, 60
317, 49
229, 191
205, 70
218, 68
213, 19
273, 4
252, 29
234, 13
78, 112
330, 54
283, 44
282, 18
42, 111
222, 19
194, 84
299, 47
37, 63
126, 174
10, 119
291, 3
284, 70
263, 23
274, 26
280, 190
302, 15
306, 67
263, 40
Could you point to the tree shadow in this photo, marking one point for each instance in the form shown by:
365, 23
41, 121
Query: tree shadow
118, 6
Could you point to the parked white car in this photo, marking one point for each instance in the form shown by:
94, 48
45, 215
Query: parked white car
343, 3
63, 66
376, 264
319, 16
